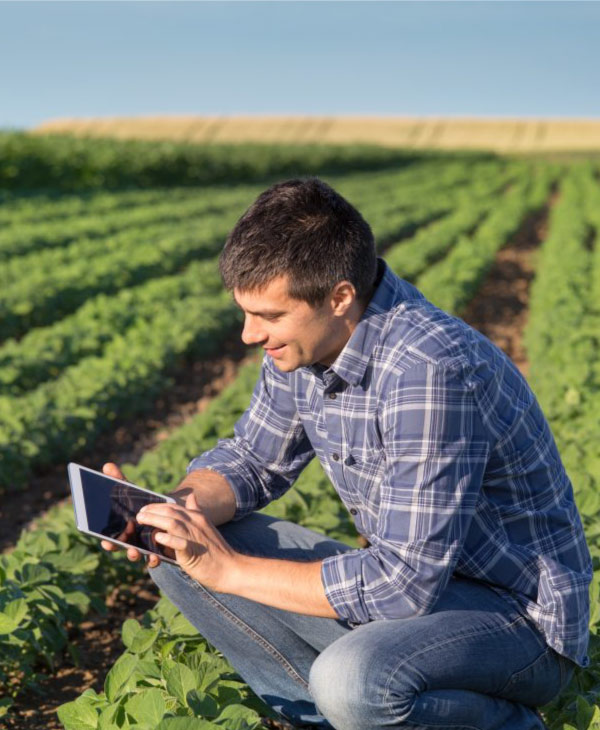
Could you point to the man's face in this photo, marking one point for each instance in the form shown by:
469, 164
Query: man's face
292, 332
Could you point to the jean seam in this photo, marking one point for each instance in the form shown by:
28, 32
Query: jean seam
437, 646
260, 640
544, 652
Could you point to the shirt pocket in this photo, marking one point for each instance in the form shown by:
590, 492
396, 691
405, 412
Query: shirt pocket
363, 476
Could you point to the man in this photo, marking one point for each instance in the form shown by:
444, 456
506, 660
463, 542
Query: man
469, 607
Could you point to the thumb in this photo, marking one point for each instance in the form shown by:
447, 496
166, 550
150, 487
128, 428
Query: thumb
190, 501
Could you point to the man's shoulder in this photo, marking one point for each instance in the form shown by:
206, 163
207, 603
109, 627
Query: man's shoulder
418, 332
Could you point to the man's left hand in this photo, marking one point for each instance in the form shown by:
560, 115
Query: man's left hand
200, 549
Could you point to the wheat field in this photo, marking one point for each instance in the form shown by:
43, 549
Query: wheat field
498, 134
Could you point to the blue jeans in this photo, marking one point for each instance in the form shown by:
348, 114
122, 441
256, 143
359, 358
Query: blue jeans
474, 662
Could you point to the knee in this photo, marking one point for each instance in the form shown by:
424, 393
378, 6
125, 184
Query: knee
347, 691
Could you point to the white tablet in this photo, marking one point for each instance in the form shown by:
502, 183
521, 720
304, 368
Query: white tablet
106, 507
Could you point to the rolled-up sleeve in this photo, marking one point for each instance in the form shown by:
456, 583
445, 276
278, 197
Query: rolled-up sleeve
269, 448
436, 451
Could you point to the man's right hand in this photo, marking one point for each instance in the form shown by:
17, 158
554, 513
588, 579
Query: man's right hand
112, 470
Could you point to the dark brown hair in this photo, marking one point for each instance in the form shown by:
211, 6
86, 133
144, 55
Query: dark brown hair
305, 229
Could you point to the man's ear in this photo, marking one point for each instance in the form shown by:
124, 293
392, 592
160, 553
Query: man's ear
343, 296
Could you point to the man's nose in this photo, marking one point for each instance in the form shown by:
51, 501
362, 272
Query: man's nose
253, 332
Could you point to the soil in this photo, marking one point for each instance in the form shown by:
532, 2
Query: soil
499, 310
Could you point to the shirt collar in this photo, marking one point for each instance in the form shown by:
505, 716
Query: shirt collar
351, 363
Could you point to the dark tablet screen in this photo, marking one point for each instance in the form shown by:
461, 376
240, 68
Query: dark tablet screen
111, 509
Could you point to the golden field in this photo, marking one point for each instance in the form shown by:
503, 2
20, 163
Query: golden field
502, 135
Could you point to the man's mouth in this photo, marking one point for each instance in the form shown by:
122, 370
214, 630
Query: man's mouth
274, 350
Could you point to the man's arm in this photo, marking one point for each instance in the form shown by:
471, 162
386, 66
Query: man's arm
269, 447
213, 494
287, 584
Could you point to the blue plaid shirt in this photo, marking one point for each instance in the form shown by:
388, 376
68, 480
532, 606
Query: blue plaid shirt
439, 449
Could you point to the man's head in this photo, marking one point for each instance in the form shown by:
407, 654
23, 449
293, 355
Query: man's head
301, 263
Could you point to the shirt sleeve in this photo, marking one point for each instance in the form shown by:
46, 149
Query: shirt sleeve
436, 451
269, 448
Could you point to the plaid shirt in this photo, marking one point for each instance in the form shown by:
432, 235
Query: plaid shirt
439, 449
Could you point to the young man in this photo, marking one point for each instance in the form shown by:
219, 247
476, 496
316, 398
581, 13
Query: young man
469, 607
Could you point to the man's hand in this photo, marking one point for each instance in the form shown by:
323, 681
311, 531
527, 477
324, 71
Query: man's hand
200, 549
112, 470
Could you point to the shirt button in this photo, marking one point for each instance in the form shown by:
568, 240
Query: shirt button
335, 457
333, 396
353, 511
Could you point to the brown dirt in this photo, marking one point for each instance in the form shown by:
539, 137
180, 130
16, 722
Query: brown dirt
196, 382
500, 308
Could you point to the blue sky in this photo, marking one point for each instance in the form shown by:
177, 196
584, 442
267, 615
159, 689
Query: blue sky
82, 59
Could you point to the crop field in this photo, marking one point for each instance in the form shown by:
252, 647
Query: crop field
118, 343
499, 134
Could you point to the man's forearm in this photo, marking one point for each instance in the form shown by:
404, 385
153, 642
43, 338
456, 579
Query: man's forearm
287, 584
213, 494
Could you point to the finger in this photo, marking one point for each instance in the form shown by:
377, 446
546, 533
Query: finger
175, 542
112, 470
133, 554
153, 560
109, 545
164, 509
169, 524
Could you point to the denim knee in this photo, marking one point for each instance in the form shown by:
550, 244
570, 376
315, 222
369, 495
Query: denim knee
347, 687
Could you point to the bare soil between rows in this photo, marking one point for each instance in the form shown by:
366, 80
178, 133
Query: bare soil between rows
499, 310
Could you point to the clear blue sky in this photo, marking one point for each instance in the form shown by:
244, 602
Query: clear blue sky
391, 58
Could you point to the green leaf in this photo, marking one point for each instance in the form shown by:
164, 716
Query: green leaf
137, 639
584, 714
34, 574
148, 668
180, 626
186, 723
118, 680
228, 696
202, 704
5, 705
209, 673
78, 715
238, 717
180, 680
147, 707
129, 630
12, 615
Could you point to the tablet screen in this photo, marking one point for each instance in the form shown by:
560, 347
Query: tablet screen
111, 508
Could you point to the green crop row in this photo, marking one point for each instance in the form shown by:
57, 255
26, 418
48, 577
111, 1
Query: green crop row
412, 257
452, 282
54, 206
563, 345
48, 291
63, 416
67, 163
42, 287
44, 352
22, 239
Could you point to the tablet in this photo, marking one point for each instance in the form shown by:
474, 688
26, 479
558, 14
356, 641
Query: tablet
106, 507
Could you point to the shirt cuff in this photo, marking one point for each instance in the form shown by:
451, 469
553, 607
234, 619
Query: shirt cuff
238, 479
341, 576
